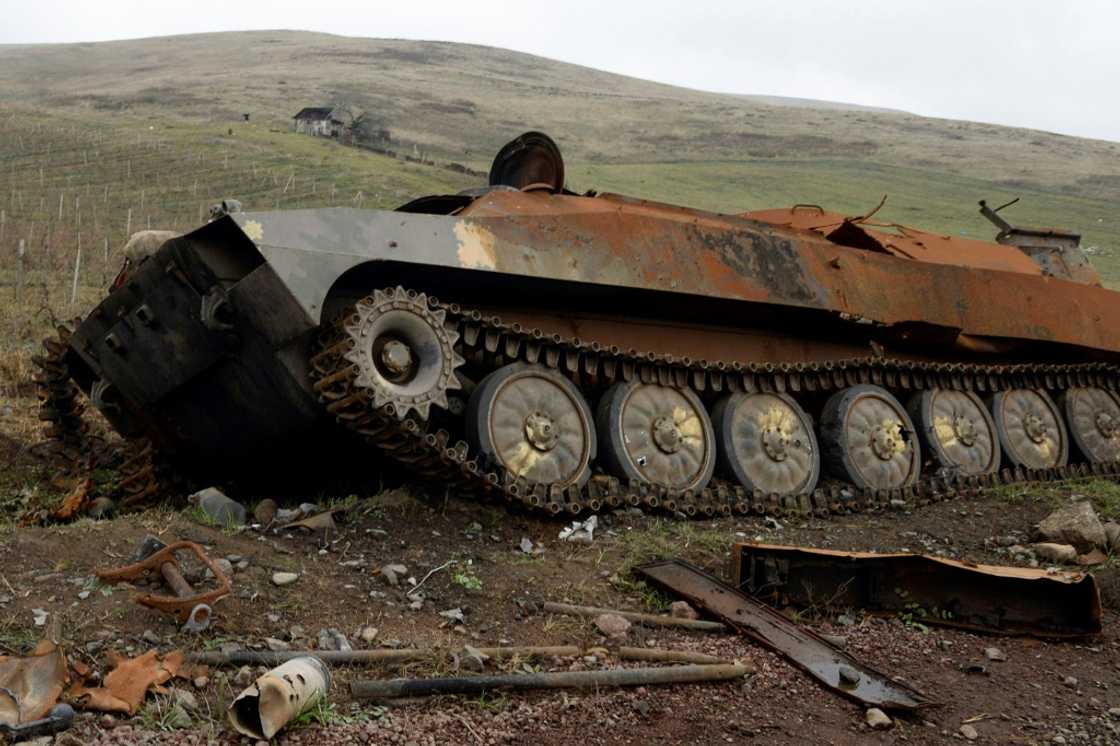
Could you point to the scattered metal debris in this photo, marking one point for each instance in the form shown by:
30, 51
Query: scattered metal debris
192, 608
580, 532
657, 655
31, 685
376, 689
128, 683
834, 668
278, 696
992, 598
648, 620
59, 718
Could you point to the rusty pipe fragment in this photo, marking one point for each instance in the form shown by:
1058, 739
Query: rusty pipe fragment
658, 655
374, 689
647, 620
370, 657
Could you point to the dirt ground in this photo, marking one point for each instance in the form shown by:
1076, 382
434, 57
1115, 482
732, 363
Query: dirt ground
1045, 692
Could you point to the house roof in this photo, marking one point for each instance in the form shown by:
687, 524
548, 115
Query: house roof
313, 112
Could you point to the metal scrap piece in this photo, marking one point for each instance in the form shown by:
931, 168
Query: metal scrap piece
128, 683
30, 686
833, 668
991, 598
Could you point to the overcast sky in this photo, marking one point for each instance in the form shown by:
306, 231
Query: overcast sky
1046, 64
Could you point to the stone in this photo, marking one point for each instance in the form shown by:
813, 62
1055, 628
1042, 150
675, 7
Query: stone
848, 675
969, 732
1070, 681
613, 626
1112, 534
367, 634
994, 654
184, 698
265, 512
218, 508
102, 507
83, 595
284, 578
1063, 553
473, 659
244, 676
224, 565
1095, 557
275, 644
201, 682
682, 610
393, 574
877, 719
1075, 523
332, 639
526, 545
1114, 712
150, 637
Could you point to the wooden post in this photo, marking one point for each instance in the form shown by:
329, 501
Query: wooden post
2, 218
77, 269
19, 270
128, 225
105, 265
60, 206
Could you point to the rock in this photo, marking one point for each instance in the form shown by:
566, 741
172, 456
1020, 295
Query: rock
393, 574
1112, 534
1063, 553
367, 634
218, 508
285, 516
1095, 557
201, 682
1075, 523
102, 507
151, 638
969, 732
848, 675
244, 676
275, 644
224, 565
332, 639
526, 545
1114, 712
265, 512
40, 617
613, 626
1070, 681
994, 654
877, 719
83, 595
184, 698
177, 718
681, 610
455, 615
473, 659
284, 578
836, 641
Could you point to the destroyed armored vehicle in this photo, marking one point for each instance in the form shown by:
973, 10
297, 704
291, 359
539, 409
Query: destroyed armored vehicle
575, 352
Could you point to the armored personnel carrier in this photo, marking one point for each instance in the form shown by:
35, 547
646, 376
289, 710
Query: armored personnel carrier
575, 352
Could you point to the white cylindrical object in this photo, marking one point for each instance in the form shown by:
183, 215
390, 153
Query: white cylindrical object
278, 696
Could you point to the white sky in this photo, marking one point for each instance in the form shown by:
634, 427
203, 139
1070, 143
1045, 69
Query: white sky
1046, 64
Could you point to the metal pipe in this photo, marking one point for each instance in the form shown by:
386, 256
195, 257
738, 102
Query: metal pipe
374, 689
658, 655
649, 620
376, 657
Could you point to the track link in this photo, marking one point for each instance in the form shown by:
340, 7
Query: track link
488, 342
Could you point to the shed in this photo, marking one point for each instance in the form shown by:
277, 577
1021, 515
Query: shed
319, 121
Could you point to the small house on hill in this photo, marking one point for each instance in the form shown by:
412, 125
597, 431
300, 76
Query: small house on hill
320, 121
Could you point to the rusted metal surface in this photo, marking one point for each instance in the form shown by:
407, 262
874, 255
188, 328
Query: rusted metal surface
989, 598
192, 608
834, 668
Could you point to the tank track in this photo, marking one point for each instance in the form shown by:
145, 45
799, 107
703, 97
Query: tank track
67, 434
435, 456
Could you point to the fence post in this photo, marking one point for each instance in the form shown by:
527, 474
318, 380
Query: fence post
77, 269
19, 270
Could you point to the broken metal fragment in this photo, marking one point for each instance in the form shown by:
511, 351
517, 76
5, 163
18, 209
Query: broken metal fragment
375, 657
648, 620
31, 685
772, 630
375, 689
59, 718
990, 598
278, 696
128, 683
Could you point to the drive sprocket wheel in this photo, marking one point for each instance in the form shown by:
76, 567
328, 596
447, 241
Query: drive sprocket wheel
766, 443
1093, 417
1030, 428
868, 438
957, 430
535, 423
656, 434
404, 352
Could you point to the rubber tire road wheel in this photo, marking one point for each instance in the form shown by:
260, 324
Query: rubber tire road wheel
849, 422
1082, 407
1018, 448
625, 419
941, 441
742, 424
498, 424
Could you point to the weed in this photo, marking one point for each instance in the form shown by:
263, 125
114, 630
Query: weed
327, 713
467, 580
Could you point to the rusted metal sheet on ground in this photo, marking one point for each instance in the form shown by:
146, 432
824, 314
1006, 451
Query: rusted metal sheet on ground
834, 668
990, 598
